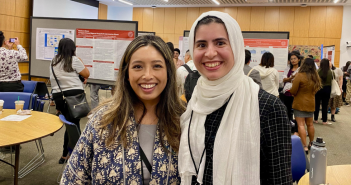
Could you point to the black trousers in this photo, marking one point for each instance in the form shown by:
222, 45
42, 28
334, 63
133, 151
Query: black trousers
60, 105
324, 96
11, 87
288, 101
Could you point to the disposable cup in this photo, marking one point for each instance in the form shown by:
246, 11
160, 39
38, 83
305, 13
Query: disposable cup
1, 104
19, 105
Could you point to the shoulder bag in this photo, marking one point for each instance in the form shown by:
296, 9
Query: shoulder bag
77, 105
335, 89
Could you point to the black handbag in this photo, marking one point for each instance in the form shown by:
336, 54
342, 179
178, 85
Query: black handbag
77, 105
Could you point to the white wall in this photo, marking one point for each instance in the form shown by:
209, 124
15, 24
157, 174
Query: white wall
120, 13
64, 9
345, 52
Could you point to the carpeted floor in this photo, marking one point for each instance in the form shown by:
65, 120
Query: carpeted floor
336, 136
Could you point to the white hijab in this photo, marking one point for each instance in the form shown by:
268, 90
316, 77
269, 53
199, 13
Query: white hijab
236, 153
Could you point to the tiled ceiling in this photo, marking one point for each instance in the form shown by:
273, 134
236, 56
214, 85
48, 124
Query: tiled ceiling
204, 3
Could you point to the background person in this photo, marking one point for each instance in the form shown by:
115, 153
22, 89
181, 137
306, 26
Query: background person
177, 61
141, 117
182, 73
10, 75
229, 119
347, 74
336, 102
255, 75
323, 94
305, 86
67, 68
344, 80
269, 75
288, 77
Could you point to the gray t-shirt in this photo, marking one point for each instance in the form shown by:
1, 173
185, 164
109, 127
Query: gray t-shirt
147, 135
68, 81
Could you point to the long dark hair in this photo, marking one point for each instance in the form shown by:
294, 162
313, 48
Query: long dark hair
309, 68
120, 106
267, 60
325, 68
66, 50
346, 66
2, 38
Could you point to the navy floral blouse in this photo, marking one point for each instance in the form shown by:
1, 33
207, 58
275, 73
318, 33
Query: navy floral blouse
9, 59
93, 163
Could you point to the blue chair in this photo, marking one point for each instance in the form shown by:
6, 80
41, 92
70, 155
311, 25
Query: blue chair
298, 159
73, 137
29, 86
11, 97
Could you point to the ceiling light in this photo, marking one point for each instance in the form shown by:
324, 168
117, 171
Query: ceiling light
215, 1
166, 0
335, 1
128, 3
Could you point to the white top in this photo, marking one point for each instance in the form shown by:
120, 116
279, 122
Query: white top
338, 72
68, 81
182, 73
9, 59
269, 79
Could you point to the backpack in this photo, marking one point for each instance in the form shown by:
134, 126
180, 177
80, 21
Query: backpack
190, 82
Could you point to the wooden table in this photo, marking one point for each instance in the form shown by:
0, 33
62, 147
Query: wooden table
336, 175
14, 133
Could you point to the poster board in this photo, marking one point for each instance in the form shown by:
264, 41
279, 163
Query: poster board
146, 33
306, 50
108, 38
329, 53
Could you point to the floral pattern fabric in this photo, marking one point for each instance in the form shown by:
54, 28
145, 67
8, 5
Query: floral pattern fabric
92, 162
9, 59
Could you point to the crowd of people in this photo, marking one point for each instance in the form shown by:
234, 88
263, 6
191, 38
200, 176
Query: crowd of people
235, 129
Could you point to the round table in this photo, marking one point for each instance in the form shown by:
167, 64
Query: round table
336, 175
14, 133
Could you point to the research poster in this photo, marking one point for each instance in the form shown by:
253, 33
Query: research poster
278, 47
102, 50
47, 41
329, 53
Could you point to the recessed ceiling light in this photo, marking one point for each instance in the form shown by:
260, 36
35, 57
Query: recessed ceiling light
128, 3
166, 0
215, 1
335, 1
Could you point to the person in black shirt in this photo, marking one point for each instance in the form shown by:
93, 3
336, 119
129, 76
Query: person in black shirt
232, 132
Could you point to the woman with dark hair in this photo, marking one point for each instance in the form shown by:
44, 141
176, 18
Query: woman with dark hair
346, 85
305, 86
288, 77
10, 75
336, 102
67, 68
176, 59
269, 75
133, 137
323, 94
232, 131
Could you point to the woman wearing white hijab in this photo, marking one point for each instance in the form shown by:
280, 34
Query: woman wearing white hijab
231, 128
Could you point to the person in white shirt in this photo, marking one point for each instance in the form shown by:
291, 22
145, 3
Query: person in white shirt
182, 73
269, 75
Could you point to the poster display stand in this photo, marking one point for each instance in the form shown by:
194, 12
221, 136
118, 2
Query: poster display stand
100, 49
